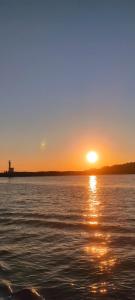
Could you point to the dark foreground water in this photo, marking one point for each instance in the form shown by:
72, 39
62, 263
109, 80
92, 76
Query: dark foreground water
72, 237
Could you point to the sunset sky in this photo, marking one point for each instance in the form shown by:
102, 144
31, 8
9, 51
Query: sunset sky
67, 83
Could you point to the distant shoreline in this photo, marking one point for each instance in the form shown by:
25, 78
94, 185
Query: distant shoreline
127, 168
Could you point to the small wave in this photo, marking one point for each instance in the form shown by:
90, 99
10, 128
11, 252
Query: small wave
65, 225
4, 266
33, 215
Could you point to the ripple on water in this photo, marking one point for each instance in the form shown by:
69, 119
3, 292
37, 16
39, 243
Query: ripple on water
72, 237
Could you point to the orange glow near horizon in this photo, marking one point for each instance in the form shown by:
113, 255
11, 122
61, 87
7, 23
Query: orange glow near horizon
45, 158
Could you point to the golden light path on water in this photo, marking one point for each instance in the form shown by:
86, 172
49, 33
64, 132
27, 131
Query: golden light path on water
98, 251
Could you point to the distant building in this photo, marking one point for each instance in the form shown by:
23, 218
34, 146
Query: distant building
10, 171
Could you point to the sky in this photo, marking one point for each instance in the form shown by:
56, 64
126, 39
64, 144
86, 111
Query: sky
67, 72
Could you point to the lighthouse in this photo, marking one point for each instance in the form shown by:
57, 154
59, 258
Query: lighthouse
10, 169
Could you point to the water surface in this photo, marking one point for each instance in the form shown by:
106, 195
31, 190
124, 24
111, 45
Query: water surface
73, 236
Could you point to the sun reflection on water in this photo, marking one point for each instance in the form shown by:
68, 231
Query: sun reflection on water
99, 288
92, 209
98, 250
93, 184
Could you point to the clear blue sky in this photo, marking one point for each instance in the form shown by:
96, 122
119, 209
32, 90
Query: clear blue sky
67, 71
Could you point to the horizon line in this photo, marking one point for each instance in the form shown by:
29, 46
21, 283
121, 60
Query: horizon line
68, 171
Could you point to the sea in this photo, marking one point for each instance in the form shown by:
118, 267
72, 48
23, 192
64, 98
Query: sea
71, 237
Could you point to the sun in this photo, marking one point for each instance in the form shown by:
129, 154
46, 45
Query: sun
92, 157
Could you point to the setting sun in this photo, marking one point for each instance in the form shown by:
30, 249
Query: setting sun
92, 157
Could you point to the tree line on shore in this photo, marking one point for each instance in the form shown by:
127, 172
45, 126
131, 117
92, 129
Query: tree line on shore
127, 168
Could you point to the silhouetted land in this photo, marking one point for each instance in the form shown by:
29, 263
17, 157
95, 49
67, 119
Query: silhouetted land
128, 168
